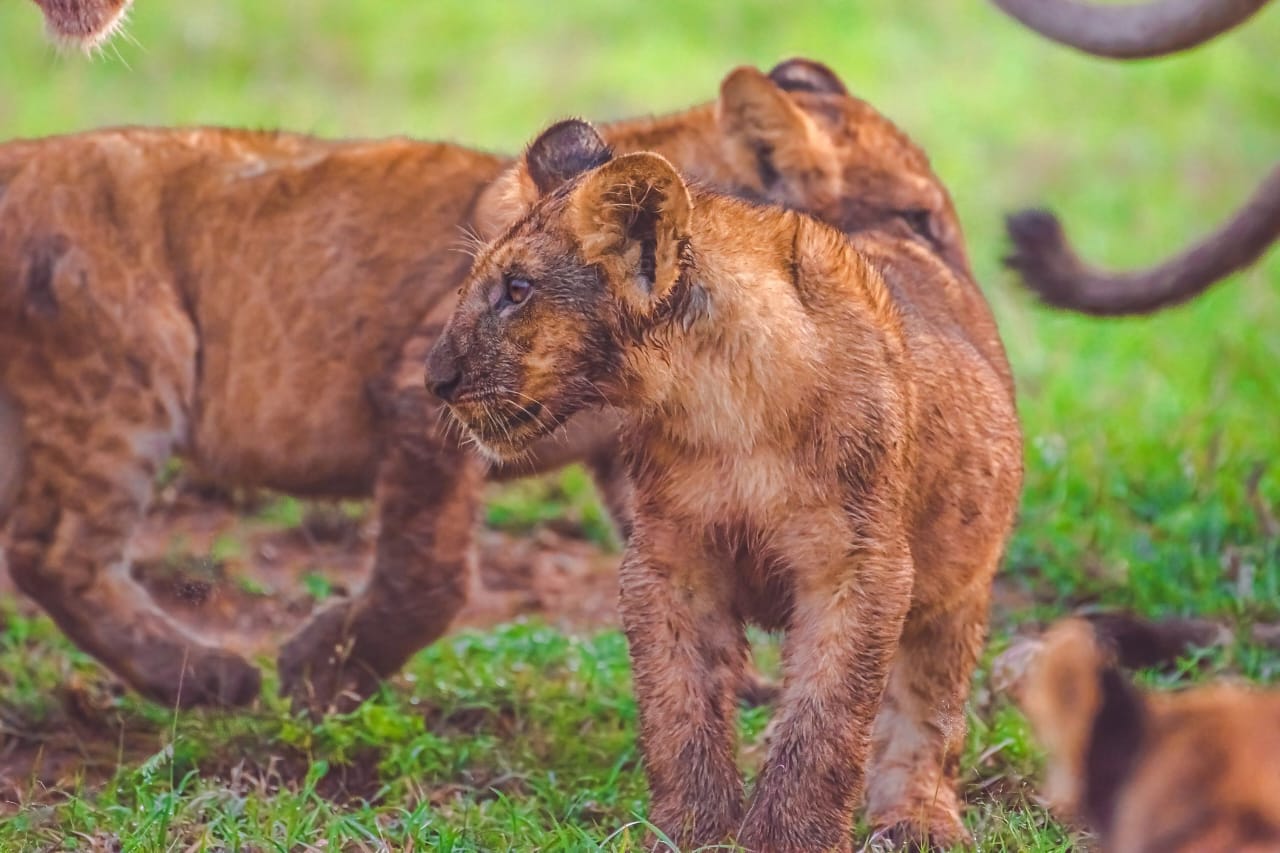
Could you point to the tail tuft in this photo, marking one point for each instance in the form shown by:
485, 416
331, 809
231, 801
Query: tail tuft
1043, 258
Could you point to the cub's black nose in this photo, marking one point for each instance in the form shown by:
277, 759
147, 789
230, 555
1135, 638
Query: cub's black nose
444, 376
444, 385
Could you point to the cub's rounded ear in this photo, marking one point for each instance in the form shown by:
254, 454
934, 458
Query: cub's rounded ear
772, 145
631, 216
564, 151
807, 75
560, 153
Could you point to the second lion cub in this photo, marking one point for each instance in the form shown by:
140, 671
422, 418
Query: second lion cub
814, 447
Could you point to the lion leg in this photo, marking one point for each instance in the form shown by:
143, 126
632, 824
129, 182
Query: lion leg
427, 496
840, 641
86, 484
610, 476
687, 648
919, 733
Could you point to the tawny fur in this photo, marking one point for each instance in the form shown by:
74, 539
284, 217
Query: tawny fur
1190, 772
261, 304
816, 443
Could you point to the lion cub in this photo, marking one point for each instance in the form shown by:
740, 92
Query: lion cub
812, 448
1191, 772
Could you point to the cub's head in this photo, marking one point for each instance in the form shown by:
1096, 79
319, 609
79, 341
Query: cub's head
1155, 773
546, 315
793, 137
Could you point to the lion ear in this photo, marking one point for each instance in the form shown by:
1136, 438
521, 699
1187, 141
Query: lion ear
559, 154
632, 218
807, 75
1089, 719
564, 151
769, 138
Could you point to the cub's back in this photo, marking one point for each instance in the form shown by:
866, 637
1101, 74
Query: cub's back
964, 445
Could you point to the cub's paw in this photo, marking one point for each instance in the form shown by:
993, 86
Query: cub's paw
321, 671
194, 677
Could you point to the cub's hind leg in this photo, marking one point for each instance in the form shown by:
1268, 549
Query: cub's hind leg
93, 445
920, 729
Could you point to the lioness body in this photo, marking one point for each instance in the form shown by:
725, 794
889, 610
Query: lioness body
816, 443
274, 256
262, 302
240, 297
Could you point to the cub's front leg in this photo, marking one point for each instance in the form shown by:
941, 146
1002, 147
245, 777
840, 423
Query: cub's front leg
427, 496
848, 612
687, 655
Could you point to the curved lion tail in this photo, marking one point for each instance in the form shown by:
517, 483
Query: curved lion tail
1048, 264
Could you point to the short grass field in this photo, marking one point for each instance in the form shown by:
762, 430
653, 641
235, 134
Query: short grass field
1152, 445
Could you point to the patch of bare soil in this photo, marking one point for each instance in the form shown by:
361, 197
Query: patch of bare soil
248, 584
81, 740
213, 562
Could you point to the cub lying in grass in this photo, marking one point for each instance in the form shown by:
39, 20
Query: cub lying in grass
815, 444
1191, 772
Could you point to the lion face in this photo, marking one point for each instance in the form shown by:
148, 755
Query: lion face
796, 137
547, 316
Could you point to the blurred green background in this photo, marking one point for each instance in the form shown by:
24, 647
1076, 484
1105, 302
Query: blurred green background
1148, 440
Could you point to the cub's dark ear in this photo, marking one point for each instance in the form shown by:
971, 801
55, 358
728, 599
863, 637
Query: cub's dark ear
564, 151
806, 75
1114, 743
1087, 716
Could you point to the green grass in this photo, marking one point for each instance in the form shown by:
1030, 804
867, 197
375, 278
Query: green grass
1142, 435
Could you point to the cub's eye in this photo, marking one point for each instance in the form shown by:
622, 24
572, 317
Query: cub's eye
515, 291
921, 222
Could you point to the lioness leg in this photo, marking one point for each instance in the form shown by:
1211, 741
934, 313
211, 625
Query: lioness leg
687, 652
920, 731
839, 644
69, 535
427, 495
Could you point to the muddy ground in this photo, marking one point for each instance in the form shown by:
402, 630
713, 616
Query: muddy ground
242, 579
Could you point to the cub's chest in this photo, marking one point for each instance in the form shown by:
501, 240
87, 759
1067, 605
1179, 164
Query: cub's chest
757, 488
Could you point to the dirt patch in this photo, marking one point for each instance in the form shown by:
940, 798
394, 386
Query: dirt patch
225, 565
354, 780
242, 579
81, 741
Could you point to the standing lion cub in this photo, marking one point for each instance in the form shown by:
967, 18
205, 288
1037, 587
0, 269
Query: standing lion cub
815, 445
